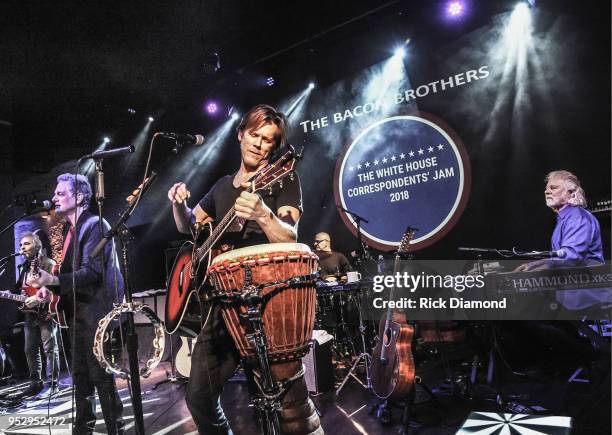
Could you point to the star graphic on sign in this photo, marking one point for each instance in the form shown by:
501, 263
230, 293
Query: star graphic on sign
384, 160
430, 149
359, 166
411, 153
375, 162
393, 158
367, 164
421, 151
402, 155
440, 147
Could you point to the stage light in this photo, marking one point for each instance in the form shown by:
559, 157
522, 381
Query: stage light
211, 107
399, 52
234, 116
531, 3
211, 63
519, 26
106, 139
131, 111
270, 81
151, 119
455, 9
311, 85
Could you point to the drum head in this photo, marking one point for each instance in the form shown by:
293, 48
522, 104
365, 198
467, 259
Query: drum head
260, 250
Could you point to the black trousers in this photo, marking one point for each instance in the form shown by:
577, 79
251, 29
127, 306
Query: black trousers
214, 361
89, 376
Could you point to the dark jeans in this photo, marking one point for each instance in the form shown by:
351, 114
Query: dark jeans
89, 376
37, 332
213, 362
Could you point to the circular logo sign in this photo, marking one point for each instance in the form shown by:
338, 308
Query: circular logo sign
403, 171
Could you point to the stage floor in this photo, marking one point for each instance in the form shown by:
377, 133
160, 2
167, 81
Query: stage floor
165, 411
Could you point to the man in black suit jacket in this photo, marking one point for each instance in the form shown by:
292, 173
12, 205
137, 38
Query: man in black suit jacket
81, 285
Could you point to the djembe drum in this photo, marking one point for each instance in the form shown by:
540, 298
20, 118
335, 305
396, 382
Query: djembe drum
280, 278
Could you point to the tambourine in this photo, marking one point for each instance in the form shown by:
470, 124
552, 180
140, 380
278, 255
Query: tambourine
102, 336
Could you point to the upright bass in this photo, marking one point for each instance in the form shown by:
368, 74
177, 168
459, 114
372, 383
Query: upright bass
392, 365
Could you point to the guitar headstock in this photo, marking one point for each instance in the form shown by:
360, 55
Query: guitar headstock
34, 264
143, 186
275, 171
406, 239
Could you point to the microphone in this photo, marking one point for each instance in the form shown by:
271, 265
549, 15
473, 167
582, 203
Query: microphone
38, 206
109, 153
559, 253
181, 139
4, 261
185, 139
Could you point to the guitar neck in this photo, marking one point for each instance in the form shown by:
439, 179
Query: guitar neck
215, 234
6, 294
396, 269
262, 179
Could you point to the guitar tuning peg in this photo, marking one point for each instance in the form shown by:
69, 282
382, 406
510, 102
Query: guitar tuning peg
291, 177
270, 191
280, 184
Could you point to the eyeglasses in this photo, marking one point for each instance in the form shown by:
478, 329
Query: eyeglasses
321, 241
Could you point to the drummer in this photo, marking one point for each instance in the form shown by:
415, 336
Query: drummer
333, 265
271, 217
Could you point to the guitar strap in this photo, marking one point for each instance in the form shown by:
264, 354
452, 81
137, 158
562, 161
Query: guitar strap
67, 241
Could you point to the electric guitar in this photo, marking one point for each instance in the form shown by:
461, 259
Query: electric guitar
392, 366
46, 310
189, 272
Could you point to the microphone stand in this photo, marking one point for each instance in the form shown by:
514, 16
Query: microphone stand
132, 338
5, 260
358, 220
364, 355
14, 221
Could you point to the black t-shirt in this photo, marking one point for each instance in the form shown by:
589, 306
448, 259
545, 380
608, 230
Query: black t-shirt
222, 196
332, 263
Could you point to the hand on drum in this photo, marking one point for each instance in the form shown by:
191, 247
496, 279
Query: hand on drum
178, 193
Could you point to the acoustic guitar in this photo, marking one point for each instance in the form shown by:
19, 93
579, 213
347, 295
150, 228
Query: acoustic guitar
392, 365
189, 271
182, 361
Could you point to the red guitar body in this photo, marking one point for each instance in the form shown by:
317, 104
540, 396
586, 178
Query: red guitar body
49, 310
183, 286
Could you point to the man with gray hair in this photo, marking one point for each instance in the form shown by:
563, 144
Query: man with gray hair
37, 330
80, 284
577, 233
